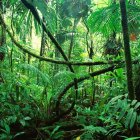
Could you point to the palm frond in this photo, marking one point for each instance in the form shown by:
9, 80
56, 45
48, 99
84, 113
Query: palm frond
107, 20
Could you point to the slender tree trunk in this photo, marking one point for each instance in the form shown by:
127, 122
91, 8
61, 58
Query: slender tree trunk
72, 40
42, 51
90, 54
11, 52
127, 51
30, 38
2, 35
2, 41
23, 58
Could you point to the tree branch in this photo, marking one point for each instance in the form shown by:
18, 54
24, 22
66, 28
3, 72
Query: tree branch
57, 45
23, 48
60, 95
93, 74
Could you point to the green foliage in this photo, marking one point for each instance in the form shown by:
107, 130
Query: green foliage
91, 132
29, 88
103, 21
125, 111
48, 13
35, 71
75, 9
92, 129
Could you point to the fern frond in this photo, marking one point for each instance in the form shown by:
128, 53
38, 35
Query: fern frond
45, 77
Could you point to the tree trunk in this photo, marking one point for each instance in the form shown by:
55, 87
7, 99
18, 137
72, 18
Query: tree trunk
127, 50
42, 51
72, 40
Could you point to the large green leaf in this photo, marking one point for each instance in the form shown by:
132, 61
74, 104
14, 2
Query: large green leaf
133, 138
128, 117
133, 120
123, 111
137, 105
